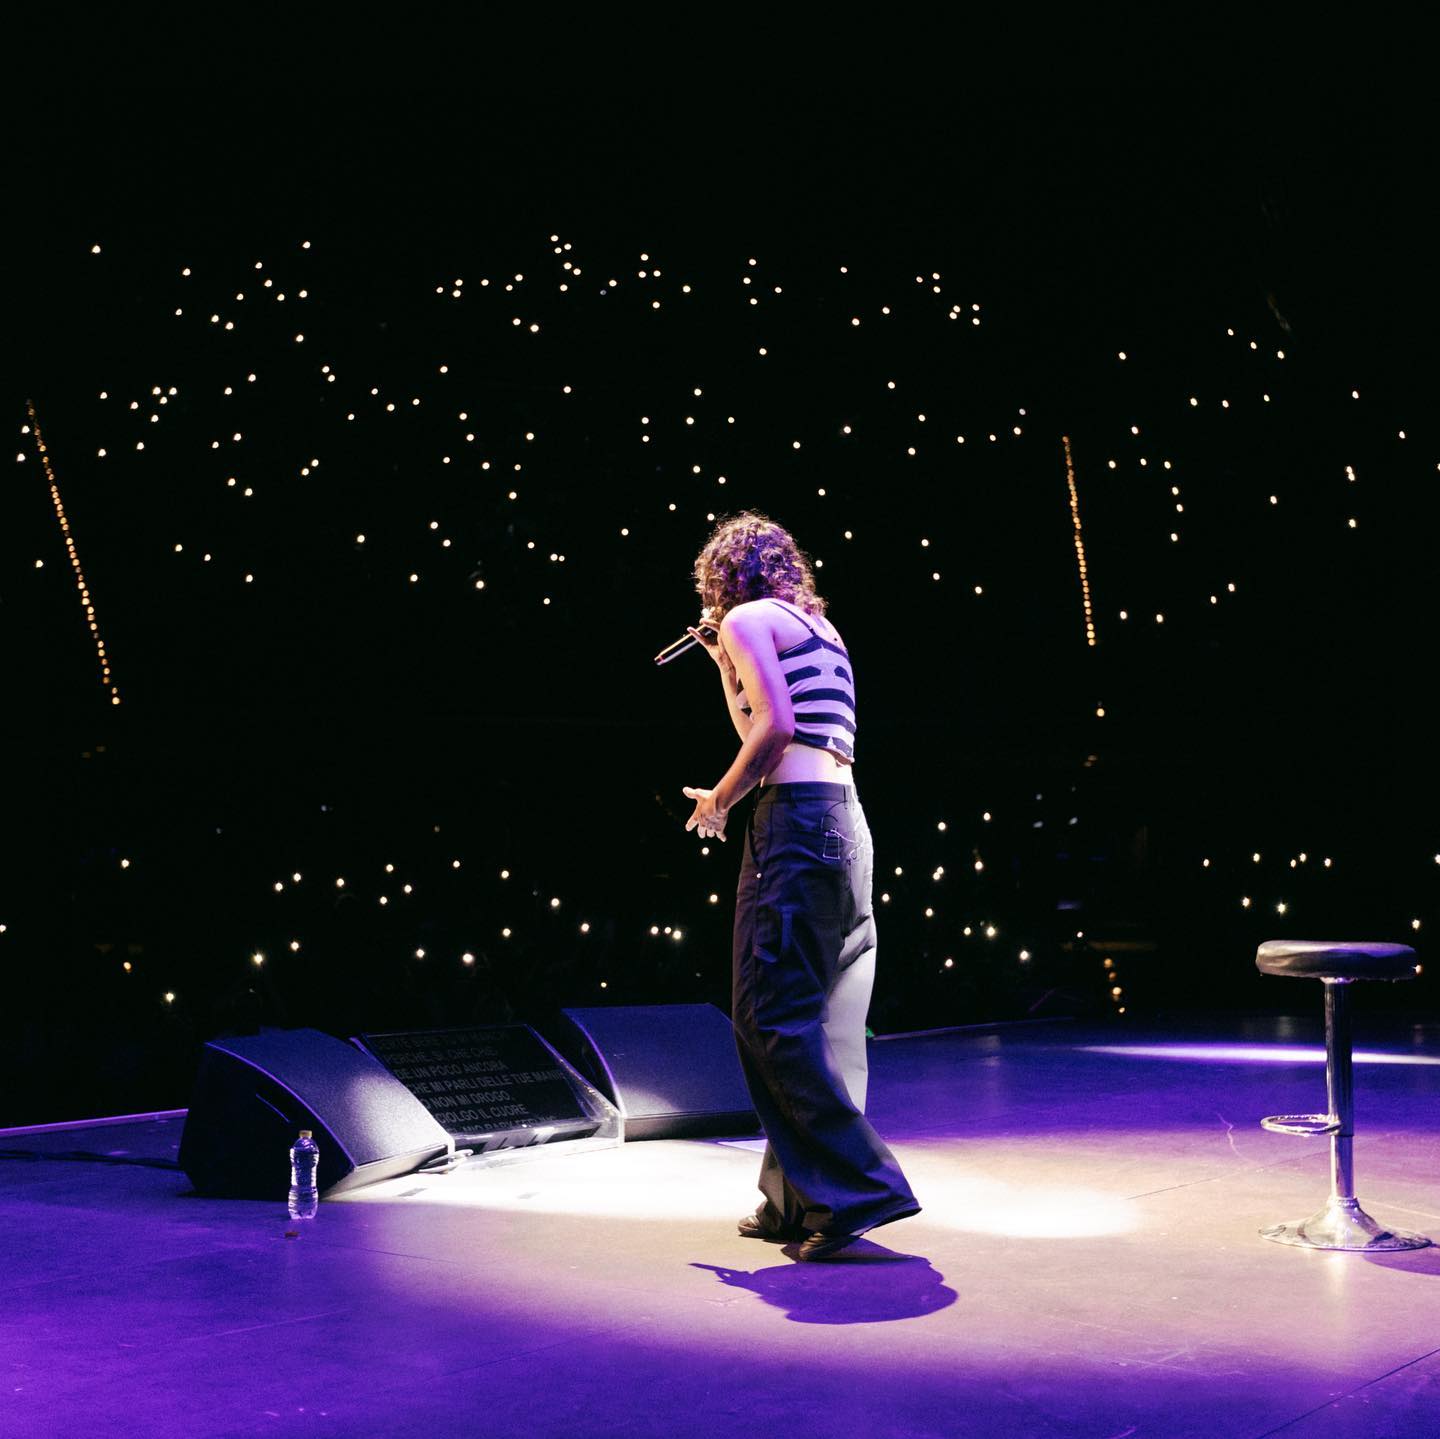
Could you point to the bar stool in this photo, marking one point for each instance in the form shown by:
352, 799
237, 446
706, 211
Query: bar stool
1341, 1224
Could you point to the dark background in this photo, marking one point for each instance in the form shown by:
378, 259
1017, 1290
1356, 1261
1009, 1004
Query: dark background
331, 717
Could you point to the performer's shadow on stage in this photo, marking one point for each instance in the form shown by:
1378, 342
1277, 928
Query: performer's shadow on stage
856, 1289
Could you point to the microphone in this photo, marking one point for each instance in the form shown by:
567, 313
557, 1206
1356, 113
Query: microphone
684, 643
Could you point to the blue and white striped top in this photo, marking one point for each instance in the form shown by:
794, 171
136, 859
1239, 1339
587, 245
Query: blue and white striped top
822, 691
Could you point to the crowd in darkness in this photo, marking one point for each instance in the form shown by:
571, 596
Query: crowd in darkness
379, 570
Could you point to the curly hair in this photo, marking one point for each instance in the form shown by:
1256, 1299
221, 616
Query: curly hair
750, 557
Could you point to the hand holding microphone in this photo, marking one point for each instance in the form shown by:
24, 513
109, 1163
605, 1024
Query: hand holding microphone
709, 637
705, 634
716, 653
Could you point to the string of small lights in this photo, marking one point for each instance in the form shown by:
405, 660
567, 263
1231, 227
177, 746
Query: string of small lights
43, 451
1079, 542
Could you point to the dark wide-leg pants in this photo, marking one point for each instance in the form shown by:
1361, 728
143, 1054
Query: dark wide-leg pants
804, 965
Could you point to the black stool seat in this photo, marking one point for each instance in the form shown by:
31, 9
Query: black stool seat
1327, 959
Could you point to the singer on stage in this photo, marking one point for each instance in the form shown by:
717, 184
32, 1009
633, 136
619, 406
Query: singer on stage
805, 935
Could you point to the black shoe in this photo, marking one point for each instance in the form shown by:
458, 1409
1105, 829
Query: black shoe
821, 1245
750, 1227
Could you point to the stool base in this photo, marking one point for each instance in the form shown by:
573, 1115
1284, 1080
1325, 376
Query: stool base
1342, 1224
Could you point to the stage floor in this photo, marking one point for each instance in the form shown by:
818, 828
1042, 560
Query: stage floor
1087, 1264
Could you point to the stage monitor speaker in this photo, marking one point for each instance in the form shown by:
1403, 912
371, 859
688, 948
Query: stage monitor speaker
671, 1069
253, 1095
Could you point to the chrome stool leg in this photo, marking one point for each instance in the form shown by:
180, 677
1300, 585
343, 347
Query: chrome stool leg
1341, 1224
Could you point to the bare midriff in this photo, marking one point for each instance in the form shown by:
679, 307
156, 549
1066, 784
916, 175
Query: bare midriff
805, 762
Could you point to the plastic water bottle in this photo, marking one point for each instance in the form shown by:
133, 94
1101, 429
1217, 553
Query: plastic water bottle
304, 1164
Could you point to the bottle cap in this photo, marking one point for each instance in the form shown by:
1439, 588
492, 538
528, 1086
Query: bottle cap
305, 1134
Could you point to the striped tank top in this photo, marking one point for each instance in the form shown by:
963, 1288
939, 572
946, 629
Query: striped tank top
822, 691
